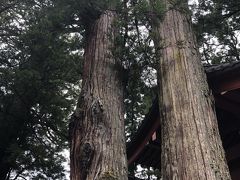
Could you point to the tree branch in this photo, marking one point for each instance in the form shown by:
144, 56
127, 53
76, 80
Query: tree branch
9, 6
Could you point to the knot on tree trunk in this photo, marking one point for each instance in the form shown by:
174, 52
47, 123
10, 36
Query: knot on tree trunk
97, 111
85, 155
97, 106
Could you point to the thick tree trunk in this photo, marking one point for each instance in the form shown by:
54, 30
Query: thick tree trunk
191, 144
98, 140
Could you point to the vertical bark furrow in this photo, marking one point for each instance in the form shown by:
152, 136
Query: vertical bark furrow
98, 149
191, 144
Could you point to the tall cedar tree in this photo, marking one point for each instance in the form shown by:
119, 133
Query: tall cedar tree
98, 142
191, 144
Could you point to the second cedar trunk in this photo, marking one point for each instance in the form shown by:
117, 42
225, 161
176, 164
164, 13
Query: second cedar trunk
98, 140
191, 144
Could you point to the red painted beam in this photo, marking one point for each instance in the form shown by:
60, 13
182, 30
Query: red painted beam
233, 96
225, 84
147, 138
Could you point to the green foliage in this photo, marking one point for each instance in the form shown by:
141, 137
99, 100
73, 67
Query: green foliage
137, 56
217, 26
159, 8
145, 10
142, 8
90, 10
38, 71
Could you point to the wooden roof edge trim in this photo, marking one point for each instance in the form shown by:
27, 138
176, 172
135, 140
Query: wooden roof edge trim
149, 125
225, 85
221, 69
140, 147
146, 123
224, 77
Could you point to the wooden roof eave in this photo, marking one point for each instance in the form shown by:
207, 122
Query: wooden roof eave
224, 78
144, 133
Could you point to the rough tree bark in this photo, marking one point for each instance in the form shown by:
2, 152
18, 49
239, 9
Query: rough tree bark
191, 144
98, 140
